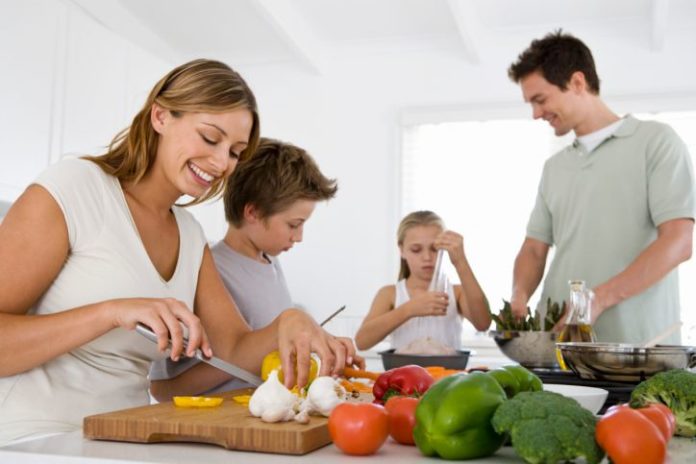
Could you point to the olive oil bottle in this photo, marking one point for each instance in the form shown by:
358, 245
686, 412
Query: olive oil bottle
578, 326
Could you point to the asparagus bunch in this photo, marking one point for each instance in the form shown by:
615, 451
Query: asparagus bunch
505, 320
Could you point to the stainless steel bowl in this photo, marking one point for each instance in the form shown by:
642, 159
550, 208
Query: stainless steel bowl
529, 348
624, 362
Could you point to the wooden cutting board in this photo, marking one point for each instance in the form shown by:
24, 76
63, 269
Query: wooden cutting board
229, 425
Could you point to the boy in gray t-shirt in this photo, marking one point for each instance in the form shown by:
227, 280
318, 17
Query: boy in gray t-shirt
267, 200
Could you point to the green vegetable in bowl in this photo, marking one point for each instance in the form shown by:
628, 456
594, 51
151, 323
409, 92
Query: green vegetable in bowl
676, 389
546, 427
505, 320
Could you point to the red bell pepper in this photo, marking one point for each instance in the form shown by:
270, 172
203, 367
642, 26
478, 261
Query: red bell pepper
408, 380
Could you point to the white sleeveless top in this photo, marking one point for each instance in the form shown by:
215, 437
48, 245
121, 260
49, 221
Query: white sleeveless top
106, 260
446, 329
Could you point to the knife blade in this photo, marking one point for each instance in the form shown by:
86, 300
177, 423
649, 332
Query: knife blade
334, 314
224, 366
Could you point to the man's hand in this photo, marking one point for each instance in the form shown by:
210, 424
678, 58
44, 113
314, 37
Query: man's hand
518, 304
527, 273
598, 304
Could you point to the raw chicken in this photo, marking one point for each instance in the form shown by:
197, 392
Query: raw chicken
428, 346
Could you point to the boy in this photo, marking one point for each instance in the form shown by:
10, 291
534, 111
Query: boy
267, 201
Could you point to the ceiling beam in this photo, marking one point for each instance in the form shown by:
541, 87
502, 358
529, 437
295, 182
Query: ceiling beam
282, 15
468, 26
658, 24
119, 19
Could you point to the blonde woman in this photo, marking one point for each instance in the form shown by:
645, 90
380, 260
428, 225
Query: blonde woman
97, 245
408, 311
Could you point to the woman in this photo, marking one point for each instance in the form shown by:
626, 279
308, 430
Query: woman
97, 245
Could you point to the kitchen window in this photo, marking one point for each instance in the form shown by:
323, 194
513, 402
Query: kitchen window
481, 177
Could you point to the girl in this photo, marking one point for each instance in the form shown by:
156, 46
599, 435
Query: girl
97, 245
407, 310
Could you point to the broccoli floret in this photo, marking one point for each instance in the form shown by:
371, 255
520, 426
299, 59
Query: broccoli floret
677, 390
546, 427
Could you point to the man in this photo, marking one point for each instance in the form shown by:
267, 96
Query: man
618, 203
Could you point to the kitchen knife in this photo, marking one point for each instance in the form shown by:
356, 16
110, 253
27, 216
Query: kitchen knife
334, 314
224, 366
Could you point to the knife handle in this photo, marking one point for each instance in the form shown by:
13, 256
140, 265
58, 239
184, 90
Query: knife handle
147, 332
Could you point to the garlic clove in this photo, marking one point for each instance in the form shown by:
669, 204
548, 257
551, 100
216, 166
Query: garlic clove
272, 402
324, 395
302, 417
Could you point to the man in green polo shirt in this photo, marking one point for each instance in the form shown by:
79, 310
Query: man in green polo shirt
618, 203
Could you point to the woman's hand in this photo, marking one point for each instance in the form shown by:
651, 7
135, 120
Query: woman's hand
428, 304
453, 243
298, 336
165, 317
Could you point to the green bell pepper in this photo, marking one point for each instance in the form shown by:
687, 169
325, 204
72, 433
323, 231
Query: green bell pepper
515, 379
453, 418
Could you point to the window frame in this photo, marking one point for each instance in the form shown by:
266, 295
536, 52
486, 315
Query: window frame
484, 111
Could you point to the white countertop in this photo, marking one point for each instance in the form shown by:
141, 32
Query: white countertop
72, 448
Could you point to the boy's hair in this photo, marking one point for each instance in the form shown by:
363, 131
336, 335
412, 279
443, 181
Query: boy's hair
557, 56
416, 218
272, 179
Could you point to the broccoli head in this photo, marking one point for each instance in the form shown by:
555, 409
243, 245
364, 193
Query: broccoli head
677, 390
546, 427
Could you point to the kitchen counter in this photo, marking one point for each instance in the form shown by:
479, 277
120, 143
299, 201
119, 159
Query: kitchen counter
72, 448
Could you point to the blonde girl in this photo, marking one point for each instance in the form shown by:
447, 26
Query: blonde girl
408, 311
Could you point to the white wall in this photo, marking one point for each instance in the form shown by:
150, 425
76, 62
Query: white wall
68, 85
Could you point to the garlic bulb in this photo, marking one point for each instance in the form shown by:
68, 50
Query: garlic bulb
272, 402
324, 394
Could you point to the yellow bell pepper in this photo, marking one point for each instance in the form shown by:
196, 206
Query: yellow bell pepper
197, 401
272, 362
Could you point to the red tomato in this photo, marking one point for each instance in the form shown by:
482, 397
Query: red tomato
358, 428
402, 418
629, 437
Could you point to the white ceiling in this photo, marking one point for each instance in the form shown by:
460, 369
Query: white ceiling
310, 32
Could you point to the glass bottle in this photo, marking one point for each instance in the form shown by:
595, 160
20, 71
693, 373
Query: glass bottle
578, 327
438, 283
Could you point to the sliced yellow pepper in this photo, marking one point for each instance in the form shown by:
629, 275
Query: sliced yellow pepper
242, 399
197, 401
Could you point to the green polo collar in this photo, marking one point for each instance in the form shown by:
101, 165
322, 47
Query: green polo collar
628, 128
